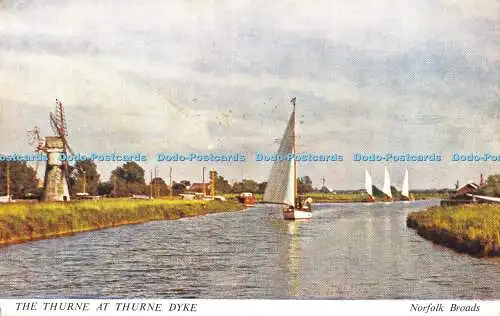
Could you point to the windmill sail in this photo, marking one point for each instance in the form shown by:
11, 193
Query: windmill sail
280, 186
368, 183
387, 184
404, 189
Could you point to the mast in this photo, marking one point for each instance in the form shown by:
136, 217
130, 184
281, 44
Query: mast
170, 175
293, 152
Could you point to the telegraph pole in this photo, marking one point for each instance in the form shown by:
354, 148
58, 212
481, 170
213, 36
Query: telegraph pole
151, 184
213, 178
8, 181
170, 176
203, 179
157, 185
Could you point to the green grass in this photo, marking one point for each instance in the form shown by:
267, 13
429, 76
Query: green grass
317, 197
428, 196
471, 228
344, 197
29, 221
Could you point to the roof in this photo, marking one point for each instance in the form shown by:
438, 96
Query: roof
197, 186
471, 184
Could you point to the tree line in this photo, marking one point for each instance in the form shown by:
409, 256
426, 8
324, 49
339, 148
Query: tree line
126, 180
130, 178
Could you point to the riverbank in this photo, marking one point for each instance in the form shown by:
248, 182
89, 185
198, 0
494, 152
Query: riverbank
342, 197
21, 222
470, 228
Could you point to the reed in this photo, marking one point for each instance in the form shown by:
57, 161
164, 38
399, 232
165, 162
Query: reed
336, 198
20, 222
469, 228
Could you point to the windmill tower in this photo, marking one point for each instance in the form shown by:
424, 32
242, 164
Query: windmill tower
55, 186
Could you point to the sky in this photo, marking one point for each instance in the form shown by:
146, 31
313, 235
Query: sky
217, 76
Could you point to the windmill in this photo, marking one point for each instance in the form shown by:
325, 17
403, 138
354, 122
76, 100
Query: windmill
60, 128
34, 138
55, 186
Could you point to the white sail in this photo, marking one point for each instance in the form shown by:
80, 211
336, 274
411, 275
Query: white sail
280, 186
368, 183
404, 189
387, 184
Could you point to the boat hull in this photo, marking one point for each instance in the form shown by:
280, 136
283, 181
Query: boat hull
247, 201
296, 214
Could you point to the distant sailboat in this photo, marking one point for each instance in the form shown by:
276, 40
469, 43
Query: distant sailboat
387, 186
369, 186
281, 186
405, 189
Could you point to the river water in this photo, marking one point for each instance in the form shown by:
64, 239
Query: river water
347, 251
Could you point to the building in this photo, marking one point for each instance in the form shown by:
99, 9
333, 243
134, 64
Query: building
461, 192
198, 187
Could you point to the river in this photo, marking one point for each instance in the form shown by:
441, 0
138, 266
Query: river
347, 251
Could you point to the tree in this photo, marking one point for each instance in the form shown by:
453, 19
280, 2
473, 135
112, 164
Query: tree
492, 186
324, 190
245, 186
178, 188
160, 188
84, 178
23, 180
105, 188
305, 185
395, 193
262, 187
377, 192
129, 179
222, 185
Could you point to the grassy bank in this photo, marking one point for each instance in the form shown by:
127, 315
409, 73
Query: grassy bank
317, 197
430, 196
343, 197
471, 228
337, 198
20, 222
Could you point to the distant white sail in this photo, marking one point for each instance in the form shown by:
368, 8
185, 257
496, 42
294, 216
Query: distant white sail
387, 184
280, 186
404, 189
368, 183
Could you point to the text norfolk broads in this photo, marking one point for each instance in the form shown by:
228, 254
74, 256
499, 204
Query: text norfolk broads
282, 185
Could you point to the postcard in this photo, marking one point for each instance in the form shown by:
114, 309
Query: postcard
249, 157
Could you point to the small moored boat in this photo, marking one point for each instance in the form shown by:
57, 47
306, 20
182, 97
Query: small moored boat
247, 198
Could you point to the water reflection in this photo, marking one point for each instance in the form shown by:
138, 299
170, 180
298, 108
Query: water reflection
294, 258
345, 251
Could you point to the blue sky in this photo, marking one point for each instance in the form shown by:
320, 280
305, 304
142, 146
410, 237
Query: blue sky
149, 76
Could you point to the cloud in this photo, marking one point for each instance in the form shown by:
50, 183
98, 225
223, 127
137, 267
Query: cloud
192, 75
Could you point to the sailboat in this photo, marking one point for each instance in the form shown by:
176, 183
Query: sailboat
387, 186
405, 194
369, 186
282, 186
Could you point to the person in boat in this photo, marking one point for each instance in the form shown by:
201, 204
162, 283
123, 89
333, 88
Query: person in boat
308, 203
